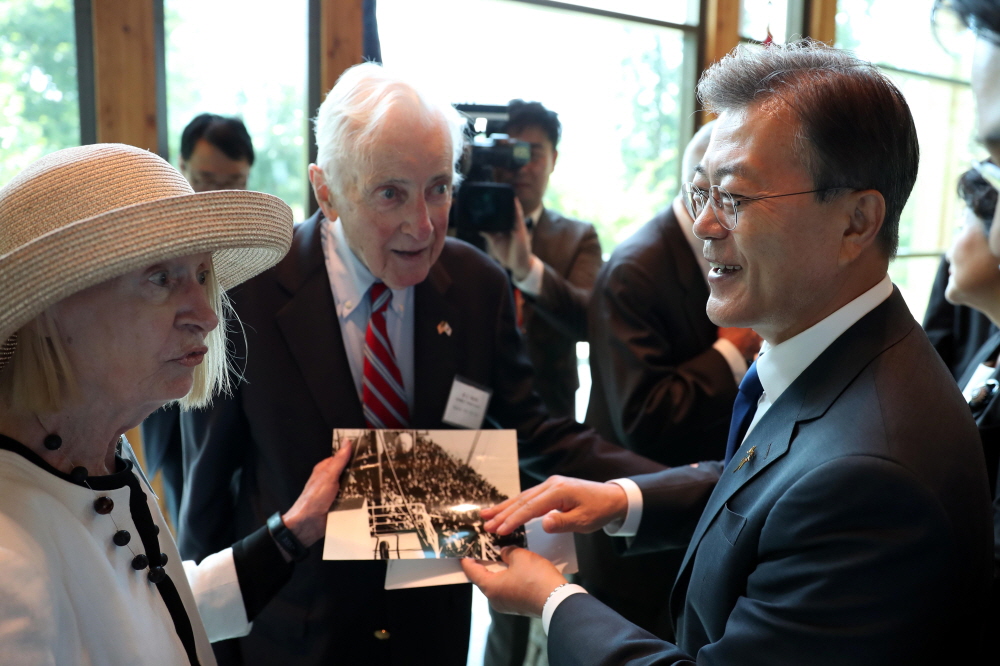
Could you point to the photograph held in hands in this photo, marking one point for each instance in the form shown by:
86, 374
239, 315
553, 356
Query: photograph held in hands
417, 494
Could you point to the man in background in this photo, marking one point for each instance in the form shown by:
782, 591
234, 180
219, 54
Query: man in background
216, 154
553, 261
664, 380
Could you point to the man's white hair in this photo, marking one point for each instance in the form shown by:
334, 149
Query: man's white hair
349, 120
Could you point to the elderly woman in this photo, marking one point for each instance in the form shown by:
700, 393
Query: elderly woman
113, 275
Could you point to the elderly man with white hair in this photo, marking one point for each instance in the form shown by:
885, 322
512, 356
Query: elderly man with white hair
368, 322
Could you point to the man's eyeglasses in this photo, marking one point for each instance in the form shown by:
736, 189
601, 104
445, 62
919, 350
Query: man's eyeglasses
725, 206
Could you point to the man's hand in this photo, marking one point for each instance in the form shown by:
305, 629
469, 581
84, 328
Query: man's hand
307, 517
520, 590
568, 505
513, 248
744, 340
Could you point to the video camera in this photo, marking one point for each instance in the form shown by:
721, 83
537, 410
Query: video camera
481, 203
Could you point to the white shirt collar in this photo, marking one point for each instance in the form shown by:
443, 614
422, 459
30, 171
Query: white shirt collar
780, 365
535, 215
350, 276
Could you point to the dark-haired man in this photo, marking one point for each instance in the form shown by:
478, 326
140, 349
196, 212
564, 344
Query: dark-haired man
216, 153
850, 521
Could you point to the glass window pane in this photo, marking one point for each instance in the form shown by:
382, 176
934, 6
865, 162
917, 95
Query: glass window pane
248, 62
914, 276
898, 33
616, 86
757, 17
39, 97
675, 11
944, 116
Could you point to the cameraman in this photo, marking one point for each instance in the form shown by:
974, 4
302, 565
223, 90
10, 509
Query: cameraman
553, 262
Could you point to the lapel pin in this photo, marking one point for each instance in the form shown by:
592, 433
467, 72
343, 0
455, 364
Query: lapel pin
444, 328
753, 449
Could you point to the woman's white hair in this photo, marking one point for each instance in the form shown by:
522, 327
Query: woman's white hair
349, 119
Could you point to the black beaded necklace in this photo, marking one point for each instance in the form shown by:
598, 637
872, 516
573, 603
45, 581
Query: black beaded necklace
104, 505
146, 526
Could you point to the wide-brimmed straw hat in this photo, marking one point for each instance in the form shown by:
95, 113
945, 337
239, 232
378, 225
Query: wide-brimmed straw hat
81, 216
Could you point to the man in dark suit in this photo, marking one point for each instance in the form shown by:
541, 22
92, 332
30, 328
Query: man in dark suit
371, 275
553, 261
664, 380
850, 522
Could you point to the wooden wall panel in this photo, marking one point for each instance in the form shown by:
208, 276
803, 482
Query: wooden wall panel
125, 77
822, 20
341, 39
722, 28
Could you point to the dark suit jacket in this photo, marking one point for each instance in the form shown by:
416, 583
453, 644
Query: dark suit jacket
161, 447
556, 319
858, 534
251, 454
659, 388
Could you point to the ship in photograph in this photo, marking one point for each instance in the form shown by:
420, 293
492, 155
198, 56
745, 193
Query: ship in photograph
416, 494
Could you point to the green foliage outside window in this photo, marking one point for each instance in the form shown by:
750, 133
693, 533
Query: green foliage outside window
39, 99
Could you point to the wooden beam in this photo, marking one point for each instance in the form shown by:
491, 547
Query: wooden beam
722, 28
341, 39
821, 23
125, 76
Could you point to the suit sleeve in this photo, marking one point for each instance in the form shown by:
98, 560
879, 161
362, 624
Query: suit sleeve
651, 397
850, 562
215, 441
563, 300
546, 445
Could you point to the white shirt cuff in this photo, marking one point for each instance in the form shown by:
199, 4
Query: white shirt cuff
217, 594
532, 284
633, 515
555, 599
734, 358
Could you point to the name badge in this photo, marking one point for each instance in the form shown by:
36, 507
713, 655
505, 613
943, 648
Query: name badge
467, 404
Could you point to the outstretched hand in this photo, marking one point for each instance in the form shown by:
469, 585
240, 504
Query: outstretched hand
522, 588
307, 517
565, 505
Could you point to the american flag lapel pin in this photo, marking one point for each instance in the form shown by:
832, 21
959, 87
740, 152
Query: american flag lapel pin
444, 328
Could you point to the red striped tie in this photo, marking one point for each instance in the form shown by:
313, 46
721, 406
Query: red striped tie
382, 394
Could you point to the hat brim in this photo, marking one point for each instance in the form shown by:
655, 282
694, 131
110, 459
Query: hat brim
246, 232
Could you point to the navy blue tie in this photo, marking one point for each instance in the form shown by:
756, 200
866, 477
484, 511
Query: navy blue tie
743, 409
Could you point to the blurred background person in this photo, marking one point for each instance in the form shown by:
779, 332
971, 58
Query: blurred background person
216, 154
553, 261
664, 381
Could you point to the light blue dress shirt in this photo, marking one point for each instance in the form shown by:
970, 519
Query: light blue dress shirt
349, 281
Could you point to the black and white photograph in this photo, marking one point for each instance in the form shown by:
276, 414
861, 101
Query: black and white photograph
416, 494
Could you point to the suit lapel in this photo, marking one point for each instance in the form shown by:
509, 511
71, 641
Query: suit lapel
808, 398
309, 325
436, 359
